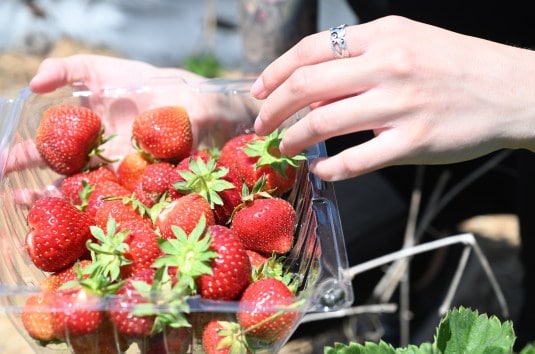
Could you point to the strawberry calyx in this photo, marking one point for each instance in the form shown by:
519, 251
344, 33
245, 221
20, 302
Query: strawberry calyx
167, 301
108, 253
274, 268
206, 179
267, 150
232, 337
98, 151
191, 254
248, 196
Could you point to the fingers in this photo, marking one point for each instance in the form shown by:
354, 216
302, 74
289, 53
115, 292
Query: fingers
57, 72
348, 115
358, 160
309, 85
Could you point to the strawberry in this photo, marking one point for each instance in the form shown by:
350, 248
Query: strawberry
36, 317
57, 233
67, 136
169, 341
217, 183
256, 259
76, 311
163, 133
102, 341
142, 244
155, 180
231, 269
265, 225
122, 305
131, 168
185, 213
72, 186
135, 312
253, 156
74, 272
223, 337
264, 317
101, 191
121, 209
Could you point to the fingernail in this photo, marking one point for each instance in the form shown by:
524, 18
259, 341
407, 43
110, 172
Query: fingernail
258, 90
258, 125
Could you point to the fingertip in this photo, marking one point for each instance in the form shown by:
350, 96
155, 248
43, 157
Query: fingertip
258, 89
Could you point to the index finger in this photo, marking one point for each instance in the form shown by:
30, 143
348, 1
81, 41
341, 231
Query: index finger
313, 49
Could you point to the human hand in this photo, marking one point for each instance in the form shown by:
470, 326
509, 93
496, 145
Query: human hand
100, 74
430, 96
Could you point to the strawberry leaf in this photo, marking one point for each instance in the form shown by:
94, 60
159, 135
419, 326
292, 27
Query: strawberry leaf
466, 331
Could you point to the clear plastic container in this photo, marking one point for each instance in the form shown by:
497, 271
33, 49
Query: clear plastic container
318, 256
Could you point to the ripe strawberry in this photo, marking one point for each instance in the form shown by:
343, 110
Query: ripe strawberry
223, 337
262, 317
164, 133
122, 305
185, 213
217, 183
57, 233
131, 168
253, 156
73, 185
142, 248
36, 317
256, 259
102, 341
67, 136
77, 311
169, 341
121, 210
101, 191
265, 225
74, 272
154, 182
231, 269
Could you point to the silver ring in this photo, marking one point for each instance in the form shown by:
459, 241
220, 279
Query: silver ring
338, 41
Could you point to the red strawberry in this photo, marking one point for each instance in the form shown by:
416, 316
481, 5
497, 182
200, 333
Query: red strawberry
164, 133
266, 225
121, 210
72, 186
256, 259
253, 156
231, 269
57, 233
122, 306
142, 244
223, 337
67, 136
131, 168
104, 189
36, 317
77, 312
217, 183
74, 272
185, 213
262, 317
154, 182
102, 341
169, 341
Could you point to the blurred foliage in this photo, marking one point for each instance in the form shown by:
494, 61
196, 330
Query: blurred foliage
205, 64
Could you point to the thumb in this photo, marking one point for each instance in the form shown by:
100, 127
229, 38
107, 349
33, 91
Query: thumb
57, 72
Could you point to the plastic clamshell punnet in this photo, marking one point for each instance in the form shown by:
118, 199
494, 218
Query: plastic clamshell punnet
220, 109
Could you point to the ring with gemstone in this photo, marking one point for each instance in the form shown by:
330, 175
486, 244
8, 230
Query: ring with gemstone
338, 41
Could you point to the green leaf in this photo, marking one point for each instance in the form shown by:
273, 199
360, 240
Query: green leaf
466, 331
